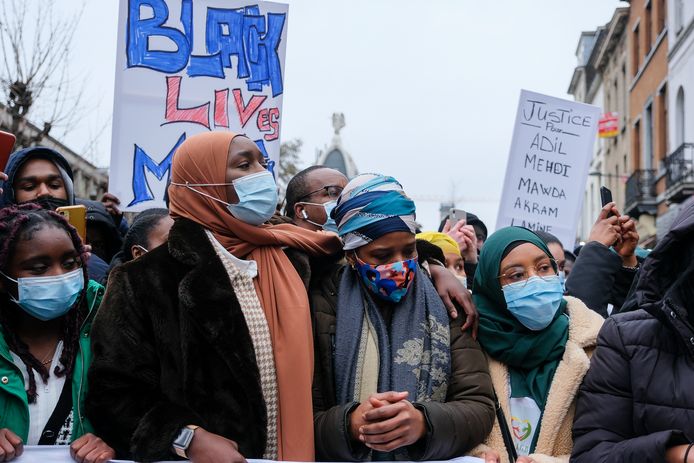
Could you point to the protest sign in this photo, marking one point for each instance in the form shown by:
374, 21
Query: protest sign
186, 67
61, 454
548, 165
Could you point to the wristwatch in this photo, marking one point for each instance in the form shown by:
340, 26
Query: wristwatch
182, 442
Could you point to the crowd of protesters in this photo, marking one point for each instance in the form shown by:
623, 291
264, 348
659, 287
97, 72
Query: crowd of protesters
333, 328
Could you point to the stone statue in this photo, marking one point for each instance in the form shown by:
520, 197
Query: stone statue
338, 122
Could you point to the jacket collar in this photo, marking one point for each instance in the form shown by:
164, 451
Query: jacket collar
584, 326
188, 243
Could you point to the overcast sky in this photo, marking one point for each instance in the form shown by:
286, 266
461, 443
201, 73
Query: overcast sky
429, 89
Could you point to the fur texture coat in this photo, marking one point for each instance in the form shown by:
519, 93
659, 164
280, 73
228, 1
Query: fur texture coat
554, 443
171, 348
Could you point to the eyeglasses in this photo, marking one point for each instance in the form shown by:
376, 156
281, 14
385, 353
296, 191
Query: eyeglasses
544, 269
333, 191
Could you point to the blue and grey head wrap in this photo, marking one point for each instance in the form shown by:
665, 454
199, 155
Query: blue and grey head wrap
370, 206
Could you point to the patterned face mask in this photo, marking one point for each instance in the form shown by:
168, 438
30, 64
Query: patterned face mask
391, 281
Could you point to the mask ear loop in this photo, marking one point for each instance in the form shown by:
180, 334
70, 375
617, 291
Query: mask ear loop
190, 185
12, 298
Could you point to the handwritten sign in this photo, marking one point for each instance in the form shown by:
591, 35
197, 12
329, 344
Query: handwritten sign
548, 165
185, 67
61, 454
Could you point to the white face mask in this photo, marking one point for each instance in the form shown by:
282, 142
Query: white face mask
462, 280
329, 224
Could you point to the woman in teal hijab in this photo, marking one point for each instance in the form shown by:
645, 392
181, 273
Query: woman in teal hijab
538, 345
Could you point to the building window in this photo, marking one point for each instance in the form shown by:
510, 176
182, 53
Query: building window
635, 52
648, 137
679, 12
662, 5
636, 155
647, 28
662, 123
679, 118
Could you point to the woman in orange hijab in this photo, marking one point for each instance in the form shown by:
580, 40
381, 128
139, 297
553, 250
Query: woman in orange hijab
203, 347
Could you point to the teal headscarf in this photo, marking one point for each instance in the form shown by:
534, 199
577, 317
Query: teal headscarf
531, 356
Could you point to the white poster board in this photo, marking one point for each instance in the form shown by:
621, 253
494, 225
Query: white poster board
61, 454
548, 165
185, 67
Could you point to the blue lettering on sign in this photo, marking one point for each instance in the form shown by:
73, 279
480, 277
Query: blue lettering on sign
139, 32
143, 163
270, 162
252, 38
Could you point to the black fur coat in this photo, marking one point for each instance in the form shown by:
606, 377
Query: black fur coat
171, 348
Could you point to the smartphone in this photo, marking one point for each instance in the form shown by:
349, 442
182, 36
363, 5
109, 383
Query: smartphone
456, 215
77, 216
6, 146
606, 197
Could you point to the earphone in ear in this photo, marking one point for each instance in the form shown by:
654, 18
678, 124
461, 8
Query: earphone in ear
304, 214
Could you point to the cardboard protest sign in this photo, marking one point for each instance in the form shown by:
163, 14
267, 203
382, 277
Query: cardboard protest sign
548, 165
184, 67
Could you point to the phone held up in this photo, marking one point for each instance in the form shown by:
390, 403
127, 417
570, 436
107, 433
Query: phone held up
456, 215
606, 198
77, 217
6, 145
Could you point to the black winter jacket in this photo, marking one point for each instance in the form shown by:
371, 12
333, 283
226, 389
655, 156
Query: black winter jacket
637, 399
171, 348
598, 278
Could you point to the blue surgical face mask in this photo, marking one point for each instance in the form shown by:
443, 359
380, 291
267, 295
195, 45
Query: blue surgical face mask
50, 297
329, 224
534, 302
257, 196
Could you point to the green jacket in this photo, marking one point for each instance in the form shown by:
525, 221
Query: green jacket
14, 408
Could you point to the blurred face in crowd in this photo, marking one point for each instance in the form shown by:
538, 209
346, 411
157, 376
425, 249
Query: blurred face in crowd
568, 266
455, 264
391, 247
244, 159
558, 255
322, 186
38, 178
480, 239
157, 236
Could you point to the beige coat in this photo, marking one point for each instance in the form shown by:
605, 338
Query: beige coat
554, 442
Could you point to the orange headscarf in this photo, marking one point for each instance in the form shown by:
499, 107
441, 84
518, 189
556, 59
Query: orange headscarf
202, 159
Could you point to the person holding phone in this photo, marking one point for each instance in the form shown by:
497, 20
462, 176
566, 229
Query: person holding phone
607, 264
42, 176
465, 236
47, 305
636, 402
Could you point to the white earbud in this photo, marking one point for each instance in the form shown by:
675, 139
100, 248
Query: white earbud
304, 214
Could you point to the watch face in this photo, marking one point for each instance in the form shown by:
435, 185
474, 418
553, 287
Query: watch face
184, 438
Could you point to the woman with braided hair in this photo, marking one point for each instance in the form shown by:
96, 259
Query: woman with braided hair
47, 304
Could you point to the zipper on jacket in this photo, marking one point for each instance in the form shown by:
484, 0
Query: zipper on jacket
79, 390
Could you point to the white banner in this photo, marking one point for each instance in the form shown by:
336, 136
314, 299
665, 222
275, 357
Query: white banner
186, 67
61, 454
548, 165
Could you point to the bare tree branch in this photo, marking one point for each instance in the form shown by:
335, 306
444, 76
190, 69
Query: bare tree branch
34, 77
